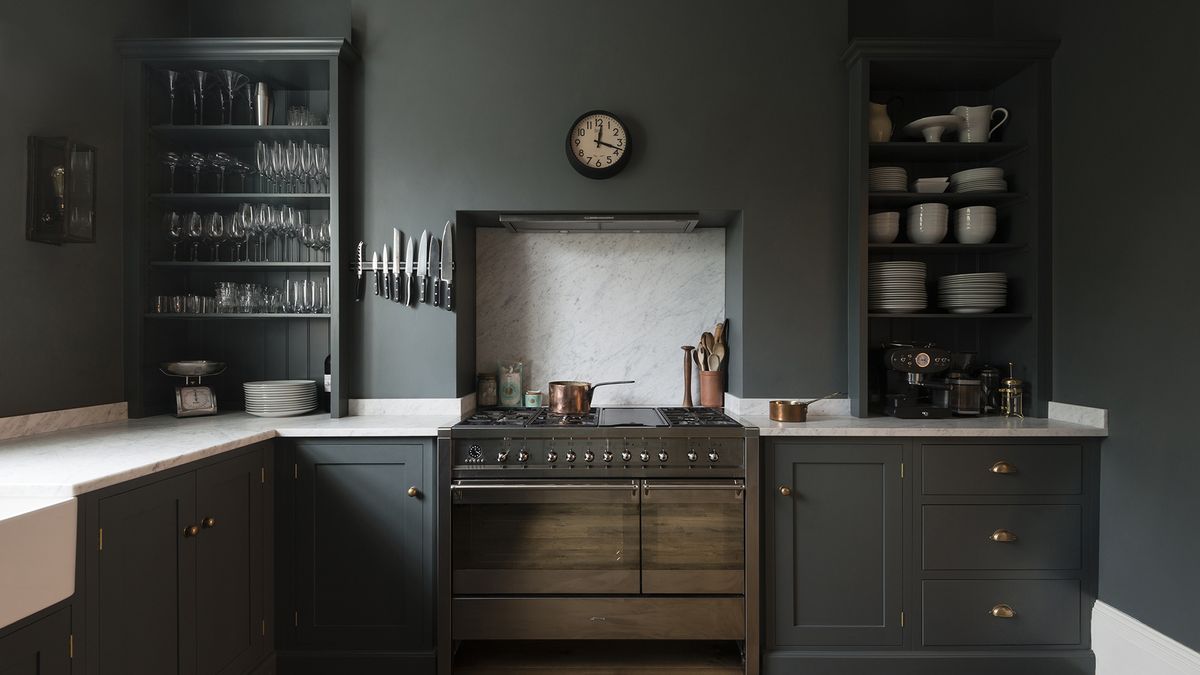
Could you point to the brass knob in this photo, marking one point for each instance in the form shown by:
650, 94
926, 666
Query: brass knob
413, 491
208, 522
1003, 611
785, 491
1003, 536
191, 530
1003, 467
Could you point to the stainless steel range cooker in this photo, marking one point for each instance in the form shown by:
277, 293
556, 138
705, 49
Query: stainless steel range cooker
623, 524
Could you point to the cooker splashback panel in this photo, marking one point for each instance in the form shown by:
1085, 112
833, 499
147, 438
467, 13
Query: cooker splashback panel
598, 307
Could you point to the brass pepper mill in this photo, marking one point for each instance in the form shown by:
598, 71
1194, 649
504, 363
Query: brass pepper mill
1012, 395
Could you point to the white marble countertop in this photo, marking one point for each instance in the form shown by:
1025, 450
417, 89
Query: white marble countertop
955, 427
67, 463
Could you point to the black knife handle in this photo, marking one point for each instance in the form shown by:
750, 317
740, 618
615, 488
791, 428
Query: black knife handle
387, 284
437, 291
448, 297
360, 287
378, 279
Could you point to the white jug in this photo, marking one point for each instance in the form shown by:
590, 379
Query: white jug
976, 122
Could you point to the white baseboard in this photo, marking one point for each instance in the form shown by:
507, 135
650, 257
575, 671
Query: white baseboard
829, 407
412, 406
59, 420
1126, 646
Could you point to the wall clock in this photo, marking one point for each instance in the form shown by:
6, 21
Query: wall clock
598, 144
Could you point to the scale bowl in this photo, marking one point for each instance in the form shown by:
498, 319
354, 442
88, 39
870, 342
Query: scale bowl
192, 368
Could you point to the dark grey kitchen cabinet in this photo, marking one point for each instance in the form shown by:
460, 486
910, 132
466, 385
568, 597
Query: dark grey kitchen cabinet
835, 557
362, 549
179, 572
42, 647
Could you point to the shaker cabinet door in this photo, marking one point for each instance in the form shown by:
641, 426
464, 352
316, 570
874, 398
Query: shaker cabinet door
229, 566
364, 546
835, 544
41, 648
145, 580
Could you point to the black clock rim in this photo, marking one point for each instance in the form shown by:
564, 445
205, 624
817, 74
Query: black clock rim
601, 172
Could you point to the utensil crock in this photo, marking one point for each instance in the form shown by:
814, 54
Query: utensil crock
712, 389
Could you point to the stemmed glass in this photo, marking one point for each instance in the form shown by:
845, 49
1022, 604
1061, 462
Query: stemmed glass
278, 168
237, 234
219, 162
241, 170
175, 232
291, 158
263, 216
308, 237
214, 232
194, 226
231, 83
253, 231
203, 81
323, 238
323, 167
171, 160
196, 162
170, 79
307, 165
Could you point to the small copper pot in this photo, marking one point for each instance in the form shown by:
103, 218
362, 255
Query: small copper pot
568, 397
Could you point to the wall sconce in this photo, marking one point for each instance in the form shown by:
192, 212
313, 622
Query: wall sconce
61, 204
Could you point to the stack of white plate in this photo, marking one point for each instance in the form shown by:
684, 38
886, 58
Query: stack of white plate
280, 398
978, 293
982, 179
896, 287
887, 179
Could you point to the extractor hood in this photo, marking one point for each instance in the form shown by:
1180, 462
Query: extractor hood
600, 222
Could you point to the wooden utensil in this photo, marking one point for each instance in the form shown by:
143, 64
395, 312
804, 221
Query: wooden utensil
714, 362
719, 331
688, 358
708, 341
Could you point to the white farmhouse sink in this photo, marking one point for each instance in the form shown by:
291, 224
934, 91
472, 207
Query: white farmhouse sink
37, 554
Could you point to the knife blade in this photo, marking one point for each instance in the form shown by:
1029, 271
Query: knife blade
375, 269
360, 286
422, 265
448, 266
409, 270
435, 269
387, 284
396, 265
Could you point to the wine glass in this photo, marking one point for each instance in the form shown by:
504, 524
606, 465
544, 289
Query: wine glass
170, 79
323, 166
237, 234
263, 216
308, 237
252, 230
202, 80
171, 160
214, 232
278, 166
262, 161
231, 83
219, 162
174, 226
291, 158
323, 238
194, 226
307, 164
196, 162
241, 170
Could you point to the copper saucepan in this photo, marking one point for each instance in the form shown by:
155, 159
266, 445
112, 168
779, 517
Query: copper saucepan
568, 397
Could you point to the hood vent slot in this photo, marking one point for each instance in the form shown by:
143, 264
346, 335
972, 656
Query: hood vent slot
600, 222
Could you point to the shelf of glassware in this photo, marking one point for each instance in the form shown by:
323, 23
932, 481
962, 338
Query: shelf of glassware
238, 134
222, 317
242, 265
306, 199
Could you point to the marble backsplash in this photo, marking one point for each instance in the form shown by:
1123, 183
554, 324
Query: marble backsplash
598, 307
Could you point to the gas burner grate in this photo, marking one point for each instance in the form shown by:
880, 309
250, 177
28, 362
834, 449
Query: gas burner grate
697, 417
500, 417
545, 418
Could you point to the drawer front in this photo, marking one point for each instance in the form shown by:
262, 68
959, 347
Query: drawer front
593, 618
1007, 537
1001, 469
960, 612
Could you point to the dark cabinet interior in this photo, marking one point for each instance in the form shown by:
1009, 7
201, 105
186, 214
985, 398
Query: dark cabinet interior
42, 647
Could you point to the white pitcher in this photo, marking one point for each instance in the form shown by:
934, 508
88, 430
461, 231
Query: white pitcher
976, 122
879, 125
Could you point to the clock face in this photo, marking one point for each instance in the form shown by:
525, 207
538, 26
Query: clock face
194, 400
598, 144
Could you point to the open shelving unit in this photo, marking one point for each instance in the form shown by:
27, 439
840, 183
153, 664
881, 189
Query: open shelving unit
313, 72
921, 77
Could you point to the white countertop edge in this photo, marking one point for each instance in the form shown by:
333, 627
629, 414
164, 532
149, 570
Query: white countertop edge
16, 506
984, 427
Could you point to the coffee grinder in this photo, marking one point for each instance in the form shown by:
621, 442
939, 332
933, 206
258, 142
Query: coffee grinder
908, 394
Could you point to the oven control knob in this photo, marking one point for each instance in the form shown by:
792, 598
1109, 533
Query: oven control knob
626, 455
551, 457
523, 456
662, 456
713, 456
607, 456
570, 455
502, 456
589, 456
645, 457
692, 456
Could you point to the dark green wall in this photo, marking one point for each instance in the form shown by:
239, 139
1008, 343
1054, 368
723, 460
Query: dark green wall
1125, 246
61, 333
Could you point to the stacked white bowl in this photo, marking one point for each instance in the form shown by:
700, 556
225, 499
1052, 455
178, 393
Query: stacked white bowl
982, 179
931, 185
896, 287
280, 398
883, 227
887, 179
927, 223
977, 293
974, 224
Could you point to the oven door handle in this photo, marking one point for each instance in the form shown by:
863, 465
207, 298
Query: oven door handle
738, 486
632, 485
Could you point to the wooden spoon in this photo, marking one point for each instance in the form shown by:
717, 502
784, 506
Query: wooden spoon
714, 362
708, 341
719, 332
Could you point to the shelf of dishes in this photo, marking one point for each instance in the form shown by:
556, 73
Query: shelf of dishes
945, 247
927, 224
940, 315
898, 287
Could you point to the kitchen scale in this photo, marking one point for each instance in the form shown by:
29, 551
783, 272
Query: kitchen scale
193, 399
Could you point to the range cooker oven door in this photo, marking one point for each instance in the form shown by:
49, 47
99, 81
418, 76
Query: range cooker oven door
693, 537
521, 537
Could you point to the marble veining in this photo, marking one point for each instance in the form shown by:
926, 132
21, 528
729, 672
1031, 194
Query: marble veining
412, 406
598, 307
57, 420
1079, 414
992, 426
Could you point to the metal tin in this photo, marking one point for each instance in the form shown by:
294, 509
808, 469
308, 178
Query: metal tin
533, 399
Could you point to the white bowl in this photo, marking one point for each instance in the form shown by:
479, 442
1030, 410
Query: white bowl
927, 223
975, 224
884, 231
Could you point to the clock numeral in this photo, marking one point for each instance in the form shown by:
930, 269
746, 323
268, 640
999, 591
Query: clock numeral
609, 158
580, 131
581, 153
576, 141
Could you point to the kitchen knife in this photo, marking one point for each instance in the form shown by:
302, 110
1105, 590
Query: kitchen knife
387, 278
422, 265
375, 268
435, 270
360, 285
396, 297
409, 270
448, 266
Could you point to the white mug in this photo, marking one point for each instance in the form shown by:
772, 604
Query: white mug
976, 122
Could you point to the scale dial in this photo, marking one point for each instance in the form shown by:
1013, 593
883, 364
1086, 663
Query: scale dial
191, 401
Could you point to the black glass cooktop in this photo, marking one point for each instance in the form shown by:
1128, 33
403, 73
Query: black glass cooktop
600, 417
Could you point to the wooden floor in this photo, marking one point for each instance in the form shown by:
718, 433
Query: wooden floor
598, 657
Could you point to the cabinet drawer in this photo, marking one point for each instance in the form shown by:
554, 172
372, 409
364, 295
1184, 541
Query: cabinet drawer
960, 613
1004, 537
1001, 469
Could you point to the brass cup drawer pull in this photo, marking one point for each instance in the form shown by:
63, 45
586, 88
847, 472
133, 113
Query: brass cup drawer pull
1004, 468
785, 491
1003, 611
1003, 536
208, 523
191, 531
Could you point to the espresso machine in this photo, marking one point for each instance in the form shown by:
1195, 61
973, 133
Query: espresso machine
908, 389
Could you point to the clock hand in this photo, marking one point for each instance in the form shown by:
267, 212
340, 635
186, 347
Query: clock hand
598, 141
608, 144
